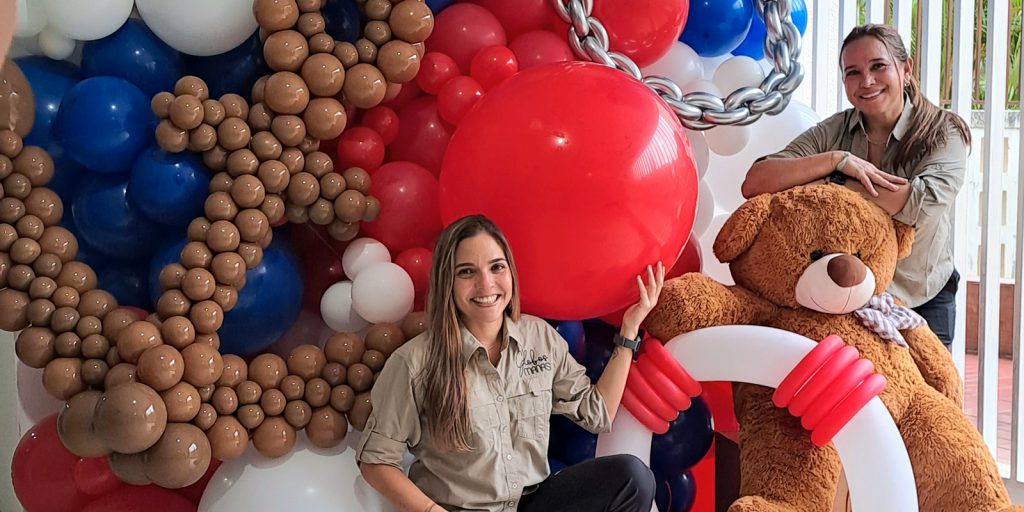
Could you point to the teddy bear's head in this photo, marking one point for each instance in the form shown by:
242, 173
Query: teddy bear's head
823, 247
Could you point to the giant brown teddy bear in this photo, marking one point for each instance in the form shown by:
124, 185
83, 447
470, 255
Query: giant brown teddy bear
835, 240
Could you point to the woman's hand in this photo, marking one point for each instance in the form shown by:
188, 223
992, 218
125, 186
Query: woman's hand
868, 175
649, 293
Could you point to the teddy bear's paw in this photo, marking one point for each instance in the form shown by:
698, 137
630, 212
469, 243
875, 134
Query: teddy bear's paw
758, 504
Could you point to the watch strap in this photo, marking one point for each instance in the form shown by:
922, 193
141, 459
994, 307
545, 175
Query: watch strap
632, 344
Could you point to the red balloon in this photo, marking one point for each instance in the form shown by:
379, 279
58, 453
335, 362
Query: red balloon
689, 261
382, 120
409, 210
93, 476
416, 263
320, 260
461, 30
422, 135
435, 69
588, 173
492, 65
329, 146
457, 97
43, 471
194, 492
407, 93
643, 30
522, 15
540, 47
141, 499
360, 146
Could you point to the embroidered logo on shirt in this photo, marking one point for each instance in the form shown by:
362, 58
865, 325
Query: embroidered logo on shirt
530, 364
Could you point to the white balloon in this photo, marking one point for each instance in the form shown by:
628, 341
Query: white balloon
736, 72
701, 153
362, 253
86, 21
199, 27
681, 65
700, 86
705, 210
727, 140
31, 16
725, 177
56, 45
711, 64
336, 309
383, 293
710, 266
308, 478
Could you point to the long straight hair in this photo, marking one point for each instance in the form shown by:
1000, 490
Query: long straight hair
446, 393
929, 123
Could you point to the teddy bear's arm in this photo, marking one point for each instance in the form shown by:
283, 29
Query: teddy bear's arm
694, 301
935, 363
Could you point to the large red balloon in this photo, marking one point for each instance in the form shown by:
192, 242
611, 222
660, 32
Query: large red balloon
422, 135
588, 173
43, 471
136, 499
521, 16
540, 47
463, 29
416, 263
689, 261
644, 30
408, 213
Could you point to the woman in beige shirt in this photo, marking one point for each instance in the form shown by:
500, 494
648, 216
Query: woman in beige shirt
471, 397
897, 149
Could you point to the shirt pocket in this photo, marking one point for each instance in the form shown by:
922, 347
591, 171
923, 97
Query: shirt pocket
483, 422
531, 412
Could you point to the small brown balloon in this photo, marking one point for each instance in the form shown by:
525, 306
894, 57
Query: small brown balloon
35, 164
203, 364
367, 51
202, 138
161, 104
274, 437
274, 15
327, 427
186, 111
346, 53
220, 206
310, 5
267, 370
233, 133
161, 367
321, 43
342, 398
223, 236
206, 392
34, 346
198, 254
334, 374
95, 346
128, 468
253, 225
130, 418
325, 118
213, 112
25, 251
266, 146
411, 21
247, 191
293, 387
47, 266
11, 143
398, 61
235, 371
374, 360
318, 392
377, 9
356, 178
414, 324
228, 438
179, 458
385, 338
379, 33
273, 402
77, 275
235, 106
274, 175
324, 73
311, 23
309, 145
303, 189
120, 374
216, 159
94, 372
350, 206
298, 413
17, 185
206, 316
360, 411
273, 207
248, 392
242, 161
17, 107
198, 284
345, 348
286, 93
11, 210
31, 227
321, 212
285, 50
74, 425
68, 344
44, 203
288, 129
221, 182
40, 311
293, 159
13, 310
115, 321
136, 338
173, 303
182, 402
206, 417
331, 186
224, 400
260, 118
20, 277
250, 416
318, 164
8, 235
252, 254
42, 288
192, 85
360, 377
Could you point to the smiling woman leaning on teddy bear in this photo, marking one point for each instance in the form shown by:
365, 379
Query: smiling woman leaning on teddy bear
901, 151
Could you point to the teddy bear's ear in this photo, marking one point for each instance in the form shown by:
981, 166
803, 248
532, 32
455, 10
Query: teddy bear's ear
904, 239
743, 225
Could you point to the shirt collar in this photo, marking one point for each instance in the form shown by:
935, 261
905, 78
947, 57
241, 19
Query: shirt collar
898, 131
470, 345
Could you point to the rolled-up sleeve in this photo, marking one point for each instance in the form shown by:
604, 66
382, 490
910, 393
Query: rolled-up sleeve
394, 422
935, 181
573, 394
815, 140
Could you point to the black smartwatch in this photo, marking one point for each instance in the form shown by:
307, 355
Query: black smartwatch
632, 344
836, 177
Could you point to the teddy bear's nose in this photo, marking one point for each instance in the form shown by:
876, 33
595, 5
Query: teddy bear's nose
846, 270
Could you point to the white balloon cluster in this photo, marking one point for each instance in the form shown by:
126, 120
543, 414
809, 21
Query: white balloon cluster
724, 154
377, 290
195, 27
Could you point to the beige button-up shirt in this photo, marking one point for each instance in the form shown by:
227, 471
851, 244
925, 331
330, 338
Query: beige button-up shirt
509, 409
934, 180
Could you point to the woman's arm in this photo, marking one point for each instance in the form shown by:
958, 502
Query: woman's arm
392, 483
775, 174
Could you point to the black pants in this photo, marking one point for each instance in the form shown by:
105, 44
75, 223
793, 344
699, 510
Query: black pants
940, 311
616, 483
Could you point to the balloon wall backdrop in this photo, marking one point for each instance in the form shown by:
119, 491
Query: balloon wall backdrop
217, 220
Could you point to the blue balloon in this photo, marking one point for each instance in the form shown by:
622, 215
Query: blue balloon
126, 280
135, 54
572, 332
104, 123
753, 45
687, 441
234, 71
169, 188
437, 6
676, 492
168, 251
106, 222
343, 20
716, 27
581, 446
67, 174
50, 80
555, 466
599, 337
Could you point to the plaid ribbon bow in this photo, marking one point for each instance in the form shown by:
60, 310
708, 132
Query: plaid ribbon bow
886, 318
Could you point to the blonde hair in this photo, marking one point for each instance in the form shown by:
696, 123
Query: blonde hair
929, 123
446, 394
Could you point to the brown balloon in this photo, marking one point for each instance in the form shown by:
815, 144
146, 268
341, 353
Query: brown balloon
321, 43
364, 86
96, 303
198, 283
325, 118
253, 225
30, 226
17, 186
318, 392
274, 437
44, 203
379, 33
273, 207
298, 413
331, 186
20, 277
180, 458
250, 416
414, 324
318, 164
346, 53
228, 438
334, 374
311, 23
345, 348
260, 117
377, 9
285, 50
34, 346
13, 310
309, 145
17, 104
128, 468
342, 398
374, 360
203, 364
95, 346
235, 106
224, 400
120, 373
173, 303
274, 15
68, 344
350, 206
268, 370
77, 275
360, 411
202, 138
35, 164
206, 417
39, 312
398, 61
136, 338
11, 145
356, 178
12, 210
289, 129
197, 254
130, 418
47, 266
252, 254
192, 85
161, 367
326, 428
247, 191
286, 93
360, 377
182, 402
74, 426
242, 161
273, 402
213, 112
216, 159
223, 237
266, 146
186, 112
293, 387
235, 371
411, 21
303, 189
321, 212
233, 133
161, 104
248, 392
367, 51
220, 206
94, 372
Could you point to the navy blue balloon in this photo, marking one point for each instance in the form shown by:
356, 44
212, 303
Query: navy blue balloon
599, 337
580, 447
126, 280
343, 20
67, 173
50, 80
676, 493
437, 5
169, 188
106, 222
555, 465
168, 251
716, 27
234, 71
104, 123
687, 441
753, 45
135, 54
572, 332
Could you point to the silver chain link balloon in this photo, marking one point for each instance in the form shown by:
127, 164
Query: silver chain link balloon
700, 110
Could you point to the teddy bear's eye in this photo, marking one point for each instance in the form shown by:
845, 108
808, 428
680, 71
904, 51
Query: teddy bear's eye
816, 255
857, 254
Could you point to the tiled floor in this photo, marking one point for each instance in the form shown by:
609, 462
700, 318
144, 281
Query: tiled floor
1003, 410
